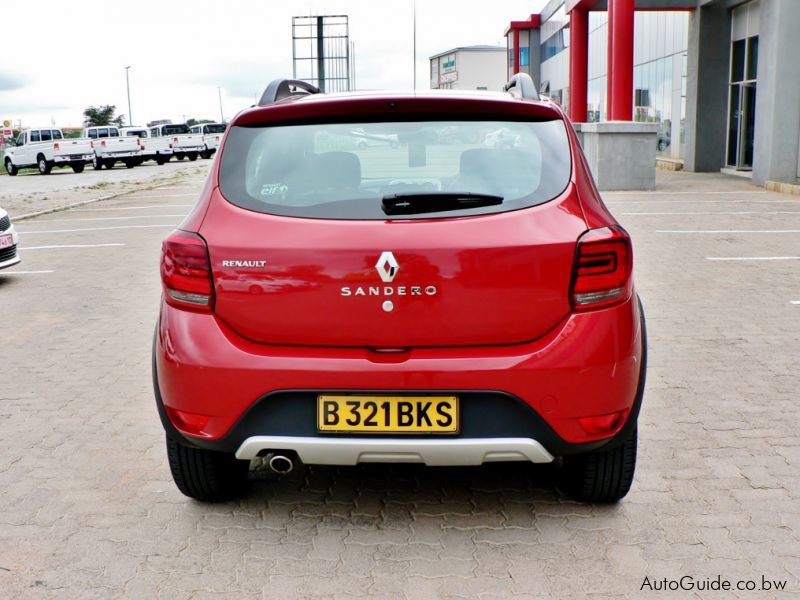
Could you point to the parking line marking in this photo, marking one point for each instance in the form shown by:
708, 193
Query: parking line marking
107, 218
95, 229
752, 257
132, 207
742, 212
795, 302
694, 201
24, 272
71, 246
160, 196
709, 192
727, 230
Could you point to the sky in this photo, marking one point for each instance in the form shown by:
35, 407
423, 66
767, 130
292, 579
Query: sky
181, 51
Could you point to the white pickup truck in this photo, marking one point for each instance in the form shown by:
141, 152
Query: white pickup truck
46, 148
184, 143
158, 149
212, 135
109, 147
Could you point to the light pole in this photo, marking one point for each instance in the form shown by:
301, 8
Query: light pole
128, 84
414, 59
221, 115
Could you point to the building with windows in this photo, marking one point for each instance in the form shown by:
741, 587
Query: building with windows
720, 78
469, 68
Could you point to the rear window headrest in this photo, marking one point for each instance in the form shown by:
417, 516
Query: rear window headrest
336, 169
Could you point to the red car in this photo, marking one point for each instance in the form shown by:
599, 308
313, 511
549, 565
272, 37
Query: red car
439, 300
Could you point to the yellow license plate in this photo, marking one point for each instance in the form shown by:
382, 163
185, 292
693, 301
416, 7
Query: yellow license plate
387, 414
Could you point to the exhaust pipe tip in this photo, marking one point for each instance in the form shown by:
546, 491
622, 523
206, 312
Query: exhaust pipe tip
281, 464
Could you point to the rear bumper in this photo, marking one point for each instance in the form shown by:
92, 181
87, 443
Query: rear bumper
120, 154
78, 158
591, 364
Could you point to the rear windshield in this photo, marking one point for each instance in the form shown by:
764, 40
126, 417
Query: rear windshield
343, 171
215, 128
175, 129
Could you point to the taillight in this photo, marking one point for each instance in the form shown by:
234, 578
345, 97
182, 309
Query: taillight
186, 271
91, 144
170, 146
217, 138
56, 146
603, 265
175, 140
103, 143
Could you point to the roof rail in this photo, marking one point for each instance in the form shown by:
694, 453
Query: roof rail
278, 89
521, 85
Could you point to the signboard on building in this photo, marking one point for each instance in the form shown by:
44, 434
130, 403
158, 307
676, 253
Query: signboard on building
449, 63
449, 77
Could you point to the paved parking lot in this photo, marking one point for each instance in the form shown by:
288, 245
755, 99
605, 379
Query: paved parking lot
88, 509
30, 192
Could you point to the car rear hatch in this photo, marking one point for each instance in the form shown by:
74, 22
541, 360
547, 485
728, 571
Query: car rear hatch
295, 263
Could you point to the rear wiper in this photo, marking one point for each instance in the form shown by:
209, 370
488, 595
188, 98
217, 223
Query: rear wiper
430, 202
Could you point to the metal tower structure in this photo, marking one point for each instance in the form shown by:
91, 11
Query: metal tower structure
321, 52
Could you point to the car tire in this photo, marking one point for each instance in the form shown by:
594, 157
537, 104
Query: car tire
97, 164
45, 166
206, 475
129, 164
160, 160
109, 164
179, 156
10, 168
205, 153
78, 168
192, 156
604, 476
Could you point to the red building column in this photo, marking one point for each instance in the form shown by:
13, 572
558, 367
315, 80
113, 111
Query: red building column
516, 51
620, 60
578, 63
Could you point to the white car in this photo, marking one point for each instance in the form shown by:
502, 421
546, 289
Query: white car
185, 144
212, 135
8, 241
158, 149
109, 147
46, 148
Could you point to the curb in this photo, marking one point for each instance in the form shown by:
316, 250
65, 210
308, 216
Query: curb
67, 206
782, 187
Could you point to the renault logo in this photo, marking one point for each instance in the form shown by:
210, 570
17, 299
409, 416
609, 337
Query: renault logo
387, 267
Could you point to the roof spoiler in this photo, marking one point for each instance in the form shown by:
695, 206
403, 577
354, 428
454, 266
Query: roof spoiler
521, 86
278, 89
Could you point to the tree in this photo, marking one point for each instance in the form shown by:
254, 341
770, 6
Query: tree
102, 115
